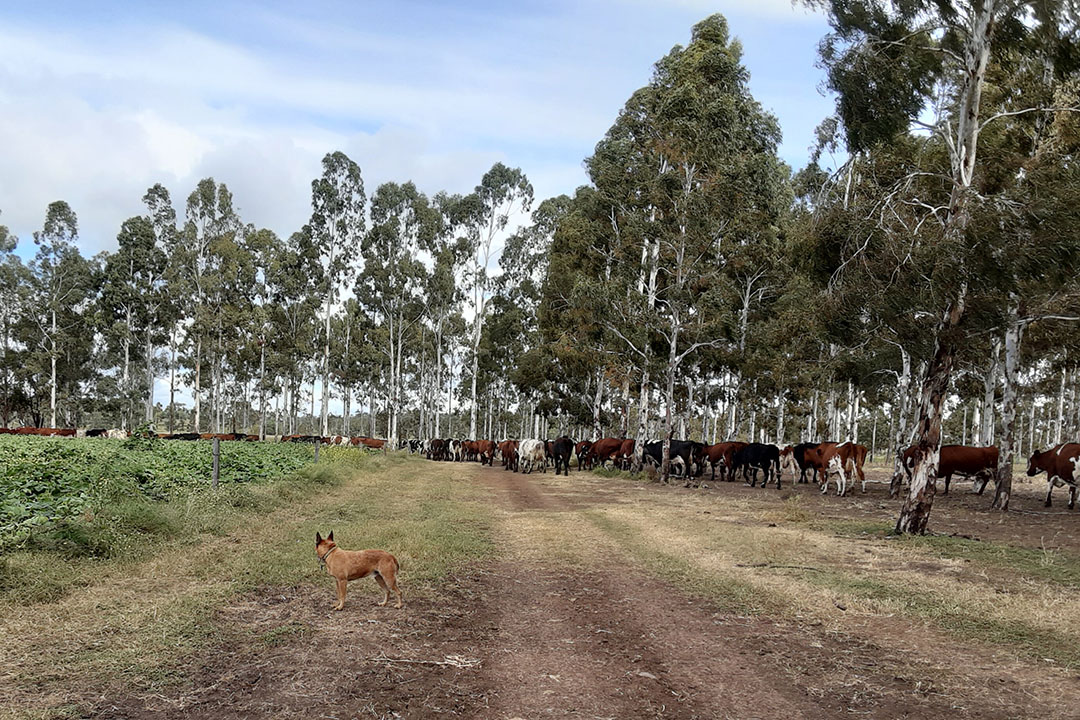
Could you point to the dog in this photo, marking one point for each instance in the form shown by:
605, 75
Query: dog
346, 565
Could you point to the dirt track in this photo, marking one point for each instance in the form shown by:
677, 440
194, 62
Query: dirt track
540, 639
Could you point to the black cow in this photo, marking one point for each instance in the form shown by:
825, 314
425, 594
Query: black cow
686, 451
799, 453
757, 456
561, 450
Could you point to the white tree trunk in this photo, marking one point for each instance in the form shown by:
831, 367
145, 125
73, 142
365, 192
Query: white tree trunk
1014, 335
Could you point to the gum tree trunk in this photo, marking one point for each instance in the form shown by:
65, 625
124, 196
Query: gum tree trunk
1014, 335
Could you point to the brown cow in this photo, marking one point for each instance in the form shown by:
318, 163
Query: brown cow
45, 432
486, 451
965, 460
722, 453
508, 450
471, 448
1061, 464
372, 443
625, 457
603, 450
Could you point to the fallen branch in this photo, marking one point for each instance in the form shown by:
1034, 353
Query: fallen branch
451, 661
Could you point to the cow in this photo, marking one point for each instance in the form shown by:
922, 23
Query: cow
561, 450
625, 456
722, 453
581, 451
509, 451
372, 443
794, 458
757, 456
436, 449
965, 460
830, 458
603, 450
531, 454
683, 453
485, 449
1061, 464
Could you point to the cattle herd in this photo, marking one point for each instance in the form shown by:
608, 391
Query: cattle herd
840, 463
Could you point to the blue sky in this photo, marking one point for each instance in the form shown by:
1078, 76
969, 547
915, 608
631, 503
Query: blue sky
103, 99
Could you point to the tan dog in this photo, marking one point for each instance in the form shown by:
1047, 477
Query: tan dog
346, 565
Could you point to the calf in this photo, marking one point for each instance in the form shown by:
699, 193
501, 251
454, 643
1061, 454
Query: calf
1061, 464
561, 450
964, 460
758, 456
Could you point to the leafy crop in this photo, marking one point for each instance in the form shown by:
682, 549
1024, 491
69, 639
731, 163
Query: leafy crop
48, 484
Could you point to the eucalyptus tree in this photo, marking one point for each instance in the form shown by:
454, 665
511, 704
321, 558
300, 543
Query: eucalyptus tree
63, 282
443, 307
14, 298
889, 64
132, 292
162, 305
209, 218
1027, 218
580, 251
336, 228
392, 284
292, 289
482, 217
697, 192
514, 326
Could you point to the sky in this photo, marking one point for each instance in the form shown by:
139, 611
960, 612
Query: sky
99, 101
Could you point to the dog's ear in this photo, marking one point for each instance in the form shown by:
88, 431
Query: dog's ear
318, 538
330, 536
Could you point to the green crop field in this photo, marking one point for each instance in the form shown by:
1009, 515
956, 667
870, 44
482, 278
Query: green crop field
49, 485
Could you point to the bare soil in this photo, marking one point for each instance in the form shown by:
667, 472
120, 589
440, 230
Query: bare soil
526, 640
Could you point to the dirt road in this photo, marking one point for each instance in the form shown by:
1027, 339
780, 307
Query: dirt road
566, 625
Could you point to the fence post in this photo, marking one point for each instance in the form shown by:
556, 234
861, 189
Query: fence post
217, 461
317, 444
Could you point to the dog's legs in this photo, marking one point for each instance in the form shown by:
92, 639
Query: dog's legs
341, 586
385, 589
394, 587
